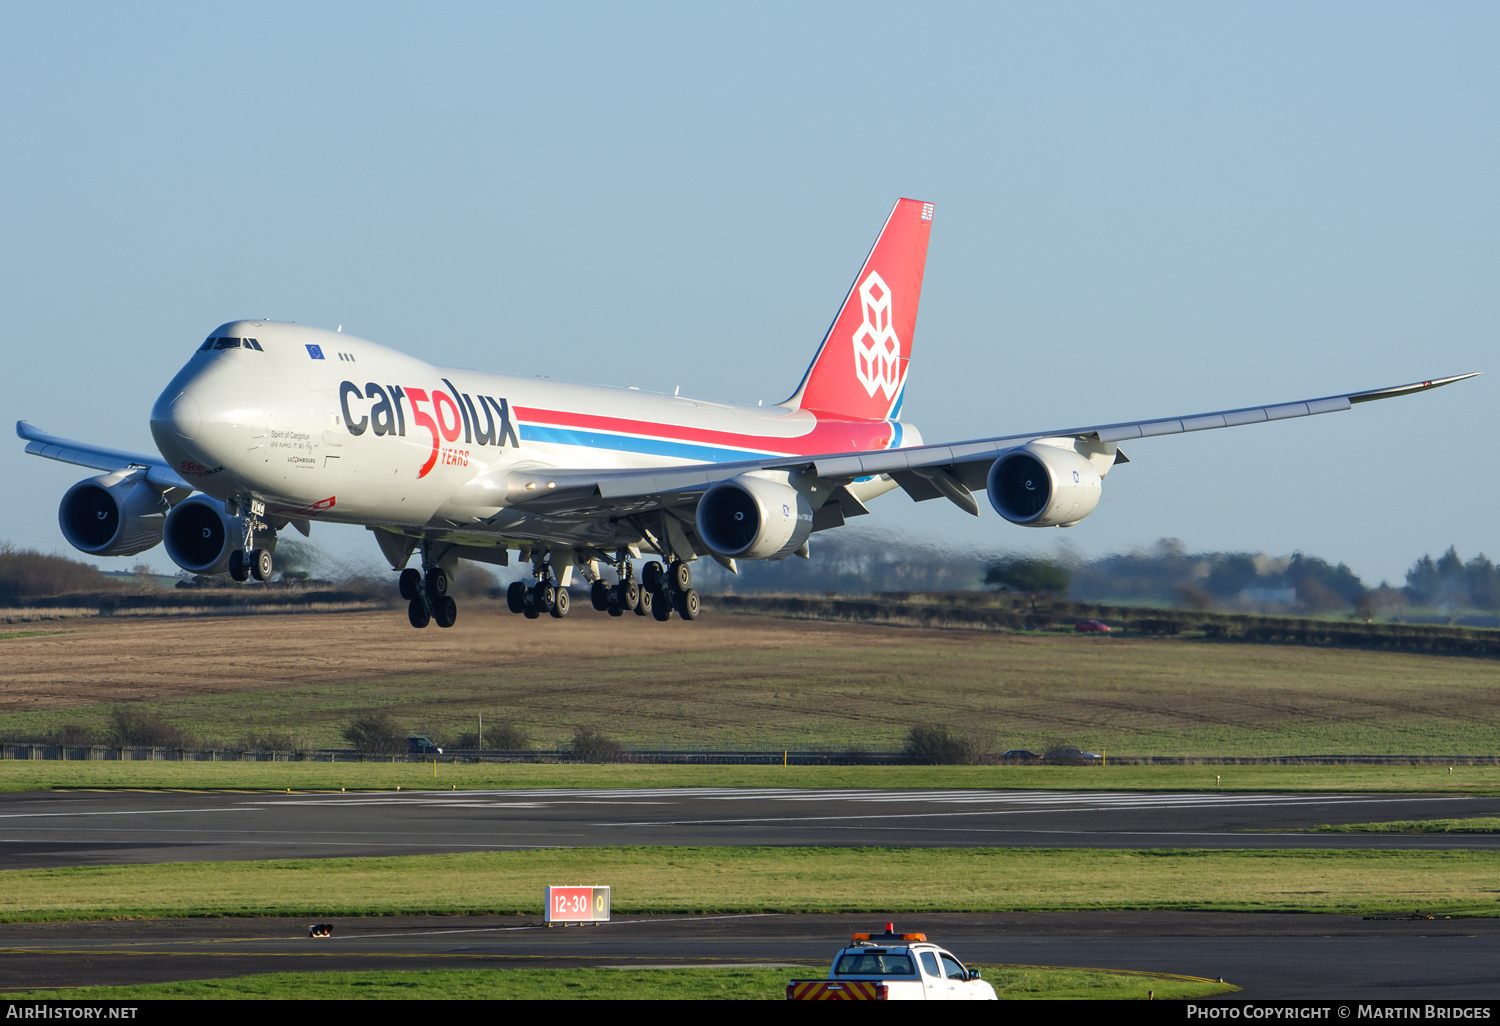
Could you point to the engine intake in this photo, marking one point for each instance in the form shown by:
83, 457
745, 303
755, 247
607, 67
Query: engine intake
117, 514
754, 518
200, 535
1040, 485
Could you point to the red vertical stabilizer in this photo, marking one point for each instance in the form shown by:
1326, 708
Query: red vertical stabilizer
860, 369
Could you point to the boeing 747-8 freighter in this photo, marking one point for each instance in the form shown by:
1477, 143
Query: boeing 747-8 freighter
272, 424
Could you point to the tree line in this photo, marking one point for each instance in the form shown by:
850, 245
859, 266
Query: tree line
1165, 574
851, 563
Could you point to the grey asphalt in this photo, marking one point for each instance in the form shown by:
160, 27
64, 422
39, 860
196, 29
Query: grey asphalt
1270, 956
92, 827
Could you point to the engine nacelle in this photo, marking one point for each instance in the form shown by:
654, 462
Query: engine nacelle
1039, 485
200, 535
750, 517
117, 514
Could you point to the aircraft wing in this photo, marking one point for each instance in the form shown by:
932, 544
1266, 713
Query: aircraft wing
925, 471
97, 457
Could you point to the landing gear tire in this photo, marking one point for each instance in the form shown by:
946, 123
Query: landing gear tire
410, 583
515, 597
643, 602
260, 564
437, 584
651, 576
629, 594
543, 597
237, 568
599, 596
661, 606
417, 613
615, 609
445, 612
530, 612
561, 603
681, 577
687, 604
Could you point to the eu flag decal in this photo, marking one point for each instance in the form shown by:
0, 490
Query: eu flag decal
316, 352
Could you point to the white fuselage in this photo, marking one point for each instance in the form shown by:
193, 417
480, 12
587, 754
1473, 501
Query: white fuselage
320, 424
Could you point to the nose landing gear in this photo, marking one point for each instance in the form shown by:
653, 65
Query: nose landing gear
252, 560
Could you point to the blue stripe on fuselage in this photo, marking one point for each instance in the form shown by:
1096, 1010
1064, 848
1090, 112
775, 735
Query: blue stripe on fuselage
635, 443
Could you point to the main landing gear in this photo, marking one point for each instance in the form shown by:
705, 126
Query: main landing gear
531, 601
427, 597
661, 591
547, 595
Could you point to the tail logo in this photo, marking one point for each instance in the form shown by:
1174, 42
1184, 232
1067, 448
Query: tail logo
877, 351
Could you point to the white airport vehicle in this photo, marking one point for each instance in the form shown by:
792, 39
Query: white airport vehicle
893, 967
272, 424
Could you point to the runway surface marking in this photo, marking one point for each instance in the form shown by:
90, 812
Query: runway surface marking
120, 812
1101, 799
171, 945
542, 926
301, 843
975, 803
945, 803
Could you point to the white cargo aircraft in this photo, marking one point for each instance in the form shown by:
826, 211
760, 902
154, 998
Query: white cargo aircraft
271, 424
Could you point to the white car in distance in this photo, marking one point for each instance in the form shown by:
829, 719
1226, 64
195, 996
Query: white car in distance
893, 967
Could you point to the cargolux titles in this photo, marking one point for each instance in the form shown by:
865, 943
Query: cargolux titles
453, 413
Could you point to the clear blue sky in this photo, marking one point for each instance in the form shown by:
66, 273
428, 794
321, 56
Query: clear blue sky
1142, 210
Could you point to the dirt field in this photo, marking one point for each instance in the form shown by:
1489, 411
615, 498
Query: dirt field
740, 681
106, 660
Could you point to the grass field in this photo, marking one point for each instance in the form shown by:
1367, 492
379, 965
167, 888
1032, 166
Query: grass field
738, 681
748, 682
1475, 825
31, 775
709, 880
697, 984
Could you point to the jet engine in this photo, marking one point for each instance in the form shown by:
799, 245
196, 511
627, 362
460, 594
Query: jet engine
200, 535
750, 517
116, 514
1040, 485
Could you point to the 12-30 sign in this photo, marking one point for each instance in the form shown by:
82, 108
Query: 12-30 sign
576, 905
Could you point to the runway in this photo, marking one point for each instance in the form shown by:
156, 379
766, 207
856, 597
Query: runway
40, 829
1269, 955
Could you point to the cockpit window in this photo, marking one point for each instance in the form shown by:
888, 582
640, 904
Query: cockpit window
229, 342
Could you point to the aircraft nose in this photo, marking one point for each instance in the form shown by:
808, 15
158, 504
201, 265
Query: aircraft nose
199, 417
178, 413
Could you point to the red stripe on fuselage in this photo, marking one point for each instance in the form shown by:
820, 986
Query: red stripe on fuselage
827, 435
